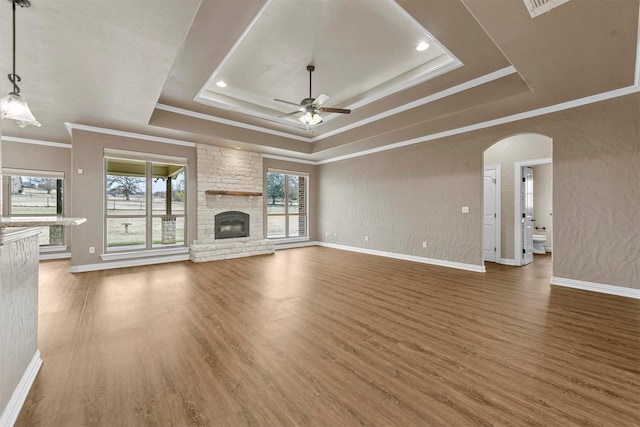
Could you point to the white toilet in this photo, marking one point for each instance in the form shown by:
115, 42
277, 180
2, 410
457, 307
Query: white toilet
538, 243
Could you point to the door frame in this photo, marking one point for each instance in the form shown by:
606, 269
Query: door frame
517, 215
498, 226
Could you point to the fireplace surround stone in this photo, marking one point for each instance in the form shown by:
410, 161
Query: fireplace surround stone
229, 180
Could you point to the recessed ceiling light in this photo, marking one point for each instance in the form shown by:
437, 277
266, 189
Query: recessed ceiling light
422, 46
221, 83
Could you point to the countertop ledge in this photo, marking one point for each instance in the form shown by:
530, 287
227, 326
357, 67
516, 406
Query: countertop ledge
39, 221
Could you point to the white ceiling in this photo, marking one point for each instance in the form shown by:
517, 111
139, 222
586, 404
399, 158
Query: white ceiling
97, 62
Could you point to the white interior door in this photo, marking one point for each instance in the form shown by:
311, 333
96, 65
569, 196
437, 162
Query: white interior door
490, 215
526, 203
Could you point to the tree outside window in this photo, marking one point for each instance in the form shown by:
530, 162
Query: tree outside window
33, 195
145, 204
286, 205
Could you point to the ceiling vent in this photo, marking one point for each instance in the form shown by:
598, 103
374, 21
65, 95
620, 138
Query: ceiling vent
538, 7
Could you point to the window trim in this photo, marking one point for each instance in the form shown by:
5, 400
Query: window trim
36, 173
148, 160
286, 238
33, 172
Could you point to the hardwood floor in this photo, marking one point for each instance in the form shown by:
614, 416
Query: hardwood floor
318, 336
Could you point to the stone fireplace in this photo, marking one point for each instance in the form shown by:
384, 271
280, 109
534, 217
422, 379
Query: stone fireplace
229, 188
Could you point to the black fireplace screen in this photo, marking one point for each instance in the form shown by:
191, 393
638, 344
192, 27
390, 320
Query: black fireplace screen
232, 224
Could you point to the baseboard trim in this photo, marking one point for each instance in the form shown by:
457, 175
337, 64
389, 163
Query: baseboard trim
19, 396
507, 261
293, 245
596, 287
61, 255
423, 260
128, 255
127, 263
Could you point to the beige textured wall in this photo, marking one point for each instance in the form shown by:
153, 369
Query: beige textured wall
37, 157
87, 190
543, 201
506, 153
596, 198
313, 189
404, 196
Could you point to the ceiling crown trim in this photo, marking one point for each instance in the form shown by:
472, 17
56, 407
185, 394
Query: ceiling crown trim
417, 103
422, 101
234, 123
35, 142
71, 126
496, 122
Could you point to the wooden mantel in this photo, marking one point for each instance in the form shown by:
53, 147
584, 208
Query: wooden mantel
231, 193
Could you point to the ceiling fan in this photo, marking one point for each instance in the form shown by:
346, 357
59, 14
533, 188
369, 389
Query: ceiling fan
309, 107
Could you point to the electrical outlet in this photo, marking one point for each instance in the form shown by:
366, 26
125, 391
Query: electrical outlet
465, 209
366, 238
335, 234
424, 244
92, 249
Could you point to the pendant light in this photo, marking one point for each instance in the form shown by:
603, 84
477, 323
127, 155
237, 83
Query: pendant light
13, 106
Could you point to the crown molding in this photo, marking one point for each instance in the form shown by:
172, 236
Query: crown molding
234, 123
417, 103
289, 159
71, 126
422, 101
35, 141
490, 123
478, 126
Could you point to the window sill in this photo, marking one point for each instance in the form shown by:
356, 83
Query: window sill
285, 240
144, 254
53, 248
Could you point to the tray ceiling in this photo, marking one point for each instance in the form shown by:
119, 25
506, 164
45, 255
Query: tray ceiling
143, 67
269, 60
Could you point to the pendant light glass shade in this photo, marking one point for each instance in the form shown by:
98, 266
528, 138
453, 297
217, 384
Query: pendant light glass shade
310, 119
13, 107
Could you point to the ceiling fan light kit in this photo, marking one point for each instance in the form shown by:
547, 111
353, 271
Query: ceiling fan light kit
13, 106
310, 118
309, 107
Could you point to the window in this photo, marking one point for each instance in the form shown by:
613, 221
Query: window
145, 204
37, 193
287, 204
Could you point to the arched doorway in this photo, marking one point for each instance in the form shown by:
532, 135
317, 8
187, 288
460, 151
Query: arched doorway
512, 162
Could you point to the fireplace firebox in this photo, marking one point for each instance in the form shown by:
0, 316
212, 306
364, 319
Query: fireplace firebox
231, 224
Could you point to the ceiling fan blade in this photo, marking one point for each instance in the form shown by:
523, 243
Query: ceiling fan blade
287, 102
334, 110
321, 99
